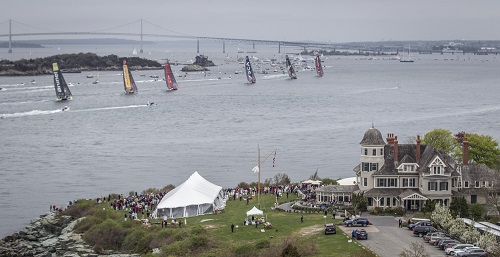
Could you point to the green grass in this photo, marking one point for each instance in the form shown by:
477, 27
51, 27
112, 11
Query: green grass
213, 236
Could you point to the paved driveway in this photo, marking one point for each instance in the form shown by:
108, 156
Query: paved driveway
386, 239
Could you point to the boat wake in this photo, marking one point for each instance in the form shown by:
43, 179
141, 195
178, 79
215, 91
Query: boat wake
26, 102
376, 89
111, 108
30, 113
274, 76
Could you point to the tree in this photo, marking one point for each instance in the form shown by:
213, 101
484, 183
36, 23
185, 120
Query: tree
416, 250
441, 139
359, 201
429, 206
459, 207
329, 181
483, 149
476, 211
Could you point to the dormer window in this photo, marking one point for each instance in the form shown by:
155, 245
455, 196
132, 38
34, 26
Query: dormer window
407, 167
466, 184
374, 152
366, 151
436, 167
382, 151
477, 183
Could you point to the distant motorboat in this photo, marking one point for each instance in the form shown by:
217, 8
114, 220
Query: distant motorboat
89, 76
33, 82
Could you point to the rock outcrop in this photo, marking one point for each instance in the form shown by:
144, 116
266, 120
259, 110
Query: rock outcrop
50, 236
193, 67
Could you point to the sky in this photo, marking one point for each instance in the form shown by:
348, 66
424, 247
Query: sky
292, 20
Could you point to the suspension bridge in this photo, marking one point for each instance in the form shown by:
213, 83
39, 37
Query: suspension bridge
140, 28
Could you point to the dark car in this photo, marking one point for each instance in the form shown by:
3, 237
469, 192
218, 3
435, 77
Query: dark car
330, 229
411, 226
360, 234
441, 245
357, 222
423, 230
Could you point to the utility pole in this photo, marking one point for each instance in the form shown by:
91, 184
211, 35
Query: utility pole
258, 183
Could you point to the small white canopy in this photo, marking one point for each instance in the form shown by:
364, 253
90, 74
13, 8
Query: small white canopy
312, 182
254, 211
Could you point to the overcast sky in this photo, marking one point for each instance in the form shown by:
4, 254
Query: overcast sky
294, 20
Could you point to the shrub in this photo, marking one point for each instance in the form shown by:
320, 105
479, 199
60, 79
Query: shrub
263, 244
109, 234
176, 249
164, 237
138, 242
245, 250
290, 251
80, 209
86, 223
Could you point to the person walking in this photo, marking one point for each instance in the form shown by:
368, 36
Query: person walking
302, 219
232, 228
400, 223
333, 214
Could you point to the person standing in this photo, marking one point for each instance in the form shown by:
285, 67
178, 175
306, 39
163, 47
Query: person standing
400, 223
302, 219
232, 228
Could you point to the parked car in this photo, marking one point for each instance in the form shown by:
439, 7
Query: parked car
427, 237
465, 249
357, 222
451, 250
330, 229
420, 223
441, 245
423, 230
359, 234
473, 253
433, 239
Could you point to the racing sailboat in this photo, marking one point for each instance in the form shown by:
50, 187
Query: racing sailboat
249, 71
62, 89
289, 67
169, 77
128, 80
319, 67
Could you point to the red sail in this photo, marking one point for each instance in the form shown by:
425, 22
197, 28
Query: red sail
169, 77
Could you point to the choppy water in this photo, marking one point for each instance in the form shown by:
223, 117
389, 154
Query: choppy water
113, 143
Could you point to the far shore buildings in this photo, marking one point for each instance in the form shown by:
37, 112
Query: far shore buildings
407, 175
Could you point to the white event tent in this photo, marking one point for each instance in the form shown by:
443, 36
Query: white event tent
254, 211
196, 196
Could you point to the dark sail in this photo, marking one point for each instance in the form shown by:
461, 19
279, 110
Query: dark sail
249, 71
62, 89
128, 80
319, 67
169, 77
291, 70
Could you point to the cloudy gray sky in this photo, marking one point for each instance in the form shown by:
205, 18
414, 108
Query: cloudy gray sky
320, 20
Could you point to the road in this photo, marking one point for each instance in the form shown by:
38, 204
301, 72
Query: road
386, 239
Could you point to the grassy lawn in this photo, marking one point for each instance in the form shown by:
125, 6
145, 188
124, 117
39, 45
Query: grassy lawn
286, 226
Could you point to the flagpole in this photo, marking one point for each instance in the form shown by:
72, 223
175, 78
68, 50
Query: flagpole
258, 183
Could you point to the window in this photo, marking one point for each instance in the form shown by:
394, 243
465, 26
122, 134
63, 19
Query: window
366, 151
436, 170
374, 152
373, 166
365, 182
473, 199
387, 182
443, 186
382, 201
409, 182
477, 183
382, 151
432, 186
466, 184
366, 166
484, 183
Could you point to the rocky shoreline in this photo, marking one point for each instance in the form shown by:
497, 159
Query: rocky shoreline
50, 235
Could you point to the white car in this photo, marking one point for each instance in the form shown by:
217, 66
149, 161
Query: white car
451, 250
463, 250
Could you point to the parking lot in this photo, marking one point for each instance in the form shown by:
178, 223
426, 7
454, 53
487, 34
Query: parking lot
386, 239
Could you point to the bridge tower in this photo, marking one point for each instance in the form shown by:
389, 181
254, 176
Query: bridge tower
198, 46
279, 47
10, 36
141, 39
253, 45
223, 47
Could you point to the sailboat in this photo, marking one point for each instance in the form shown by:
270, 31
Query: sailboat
319, 67
169, 77
128, 80
249, 71
62, 89
291, 71
408, 58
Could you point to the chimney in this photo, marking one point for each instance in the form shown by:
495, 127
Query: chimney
418, 148
466, 151
390, 139
396, 159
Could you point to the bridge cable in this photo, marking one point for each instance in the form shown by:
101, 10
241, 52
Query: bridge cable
158, 26
33, 27
116, 27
